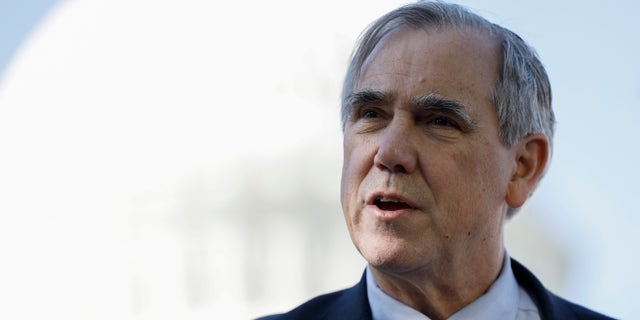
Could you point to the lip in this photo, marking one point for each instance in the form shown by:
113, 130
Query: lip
389, 215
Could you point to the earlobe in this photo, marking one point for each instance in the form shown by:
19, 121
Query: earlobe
532, 156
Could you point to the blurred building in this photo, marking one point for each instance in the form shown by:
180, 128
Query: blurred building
165, 160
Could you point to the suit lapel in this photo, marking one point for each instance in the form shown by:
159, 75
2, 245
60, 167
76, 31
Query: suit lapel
549, 306
353, 303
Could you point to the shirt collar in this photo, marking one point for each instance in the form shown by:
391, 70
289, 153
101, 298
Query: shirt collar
499, 302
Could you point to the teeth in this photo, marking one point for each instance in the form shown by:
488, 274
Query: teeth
388, 204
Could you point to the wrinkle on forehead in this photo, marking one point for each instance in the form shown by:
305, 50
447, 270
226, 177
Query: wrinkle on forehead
421, 62
477, 42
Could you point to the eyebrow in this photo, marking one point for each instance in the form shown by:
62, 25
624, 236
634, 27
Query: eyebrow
367, 97
431, 102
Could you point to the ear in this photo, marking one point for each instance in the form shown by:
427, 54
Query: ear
531, 156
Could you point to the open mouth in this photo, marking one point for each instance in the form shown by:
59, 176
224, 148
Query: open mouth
391, 204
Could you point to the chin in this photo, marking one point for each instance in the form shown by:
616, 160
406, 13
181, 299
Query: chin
388, 253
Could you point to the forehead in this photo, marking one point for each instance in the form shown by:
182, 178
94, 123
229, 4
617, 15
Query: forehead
460, 64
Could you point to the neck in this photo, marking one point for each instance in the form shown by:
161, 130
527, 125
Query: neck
441, 289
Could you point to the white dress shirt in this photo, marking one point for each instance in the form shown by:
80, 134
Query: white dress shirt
505, 299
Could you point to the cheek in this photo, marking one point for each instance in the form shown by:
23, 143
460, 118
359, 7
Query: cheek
347, 180
465, 176
356, 165
480, 180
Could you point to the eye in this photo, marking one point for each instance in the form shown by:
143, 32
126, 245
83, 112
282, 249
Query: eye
444, 122
367, 119
370, 114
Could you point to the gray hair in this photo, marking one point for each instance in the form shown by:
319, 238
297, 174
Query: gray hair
522, 94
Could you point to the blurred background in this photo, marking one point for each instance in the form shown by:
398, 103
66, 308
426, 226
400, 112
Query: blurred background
181, 159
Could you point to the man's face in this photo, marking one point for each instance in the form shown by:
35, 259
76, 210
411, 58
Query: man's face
425, 174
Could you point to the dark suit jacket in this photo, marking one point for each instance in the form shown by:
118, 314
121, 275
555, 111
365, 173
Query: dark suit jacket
352, 303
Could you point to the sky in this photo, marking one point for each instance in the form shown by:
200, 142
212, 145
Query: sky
52, 51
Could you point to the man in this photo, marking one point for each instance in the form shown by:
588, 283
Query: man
447, 126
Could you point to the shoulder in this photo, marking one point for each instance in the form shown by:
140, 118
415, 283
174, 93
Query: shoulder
550, 306
315, 308
577, 311
350, 303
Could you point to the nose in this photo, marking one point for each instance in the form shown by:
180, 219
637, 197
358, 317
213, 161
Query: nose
396, 149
